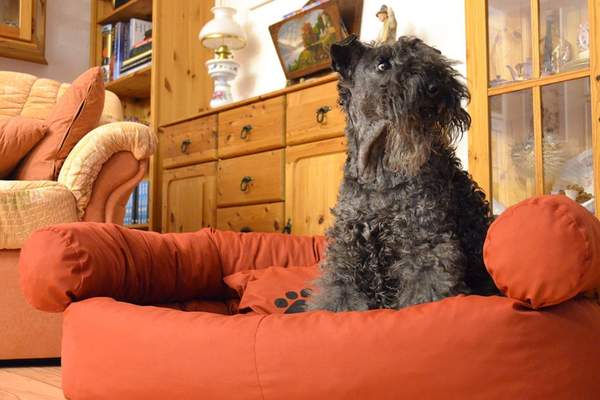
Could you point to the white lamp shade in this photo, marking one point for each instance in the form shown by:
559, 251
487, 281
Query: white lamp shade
223, 30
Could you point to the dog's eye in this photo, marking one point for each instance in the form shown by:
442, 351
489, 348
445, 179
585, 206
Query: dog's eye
383, 66
432, 89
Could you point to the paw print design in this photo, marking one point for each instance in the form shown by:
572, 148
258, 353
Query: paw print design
298, 303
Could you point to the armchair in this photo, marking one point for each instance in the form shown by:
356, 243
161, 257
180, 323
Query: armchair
94, 184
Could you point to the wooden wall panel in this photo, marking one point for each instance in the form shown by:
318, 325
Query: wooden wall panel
183, 84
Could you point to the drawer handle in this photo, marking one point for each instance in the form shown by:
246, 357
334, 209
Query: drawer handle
185, 144
321, 113
288, 227
246, 129
245, 183
245, 229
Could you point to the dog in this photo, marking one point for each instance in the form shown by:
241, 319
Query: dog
409, 221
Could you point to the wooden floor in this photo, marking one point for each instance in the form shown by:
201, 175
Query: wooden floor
30, 383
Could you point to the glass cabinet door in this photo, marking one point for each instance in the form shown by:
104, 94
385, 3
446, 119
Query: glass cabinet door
15, 18
539, 101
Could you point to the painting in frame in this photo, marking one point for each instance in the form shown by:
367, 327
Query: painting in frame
302, 41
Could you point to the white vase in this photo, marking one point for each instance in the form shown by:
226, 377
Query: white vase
222, 71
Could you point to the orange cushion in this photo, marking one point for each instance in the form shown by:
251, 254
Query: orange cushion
273, 290
76, 113
18, 135
544, 251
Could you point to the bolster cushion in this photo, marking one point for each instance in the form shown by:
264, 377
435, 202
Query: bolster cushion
71, 262
544, 251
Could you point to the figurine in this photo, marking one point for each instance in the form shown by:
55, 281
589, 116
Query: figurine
583, 40
520, 71
387, 34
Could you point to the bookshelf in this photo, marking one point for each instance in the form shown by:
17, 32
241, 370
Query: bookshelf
134, 90
133, 9
136, 85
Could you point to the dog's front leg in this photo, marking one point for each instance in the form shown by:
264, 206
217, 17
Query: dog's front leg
337, 296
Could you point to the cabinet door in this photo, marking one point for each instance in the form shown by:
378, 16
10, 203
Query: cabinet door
313, 175
535, 99
189, 198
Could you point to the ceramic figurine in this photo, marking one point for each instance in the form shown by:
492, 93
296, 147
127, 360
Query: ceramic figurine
387, 34
583, 40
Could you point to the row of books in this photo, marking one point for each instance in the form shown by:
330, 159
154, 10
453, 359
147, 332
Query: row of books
137, 207
126, 47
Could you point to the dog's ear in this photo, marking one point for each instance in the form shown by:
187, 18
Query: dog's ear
345, 55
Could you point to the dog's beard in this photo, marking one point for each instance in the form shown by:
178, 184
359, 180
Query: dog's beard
393, 148
406, 150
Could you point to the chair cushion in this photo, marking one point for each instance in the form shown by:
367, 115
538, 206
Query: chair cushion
76, 113
28, 205
18, 135
544, 251
273, 290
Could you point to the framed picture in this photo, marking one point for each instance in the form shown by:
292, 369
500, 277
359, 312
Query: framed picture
302, 41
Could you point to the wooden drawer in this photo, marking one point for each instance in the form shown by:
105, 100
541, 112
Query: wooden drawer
252, 128
251, 179
257, 218
313, 114
189, 142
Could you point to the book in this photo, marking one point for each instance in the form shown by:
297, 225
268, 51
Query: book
119, 3
122, 45
107, 38
143, 190
137, 30
136, 60
127, 220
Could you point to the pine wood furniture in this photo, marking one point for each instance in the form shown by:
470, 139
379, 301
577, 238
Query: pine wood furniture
23, 30
278, 158
535, 98
175, 87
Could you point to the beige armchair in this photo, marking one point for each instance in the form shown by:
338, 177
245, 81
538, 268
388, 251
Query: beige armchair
93, 185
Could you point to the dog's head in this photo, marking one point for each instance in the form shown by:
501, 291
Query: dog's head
402, 101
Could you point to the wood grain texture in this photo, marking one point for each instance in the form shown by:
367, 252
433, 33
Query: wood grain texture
132, 9
257, 218
137, 84
477, 78
542, 81
538, 140
265, 121
183, 85
201, 134
42, 383
301, 122
594, 10
30, 43
313, 175
265, 171
188, 200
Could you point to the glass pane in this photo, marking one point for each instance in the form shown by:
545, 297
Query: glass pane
564, 35
509, 41
9, 12
567, 133
513, 159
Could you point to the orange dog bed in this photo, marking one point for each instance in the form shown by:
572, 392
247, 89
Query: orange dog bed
541, 341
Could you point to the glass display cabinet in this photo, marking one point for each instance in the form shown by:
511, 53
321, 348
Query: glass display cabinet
22, 29
533, 74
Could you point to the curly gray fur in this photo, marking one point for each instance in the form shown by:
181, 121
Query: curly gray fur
409, 222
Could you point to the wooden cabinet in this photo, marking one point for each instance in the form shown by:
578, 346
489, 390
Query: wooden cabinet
257, 218
281, 174
251, 179
189, 198
533, 73
313, 175
23, 30
190, 142
252, 128
313, 114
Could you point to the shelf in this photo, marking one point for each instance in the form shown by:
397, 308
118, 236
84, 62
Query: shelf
133, 9
141, 227
136, 84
